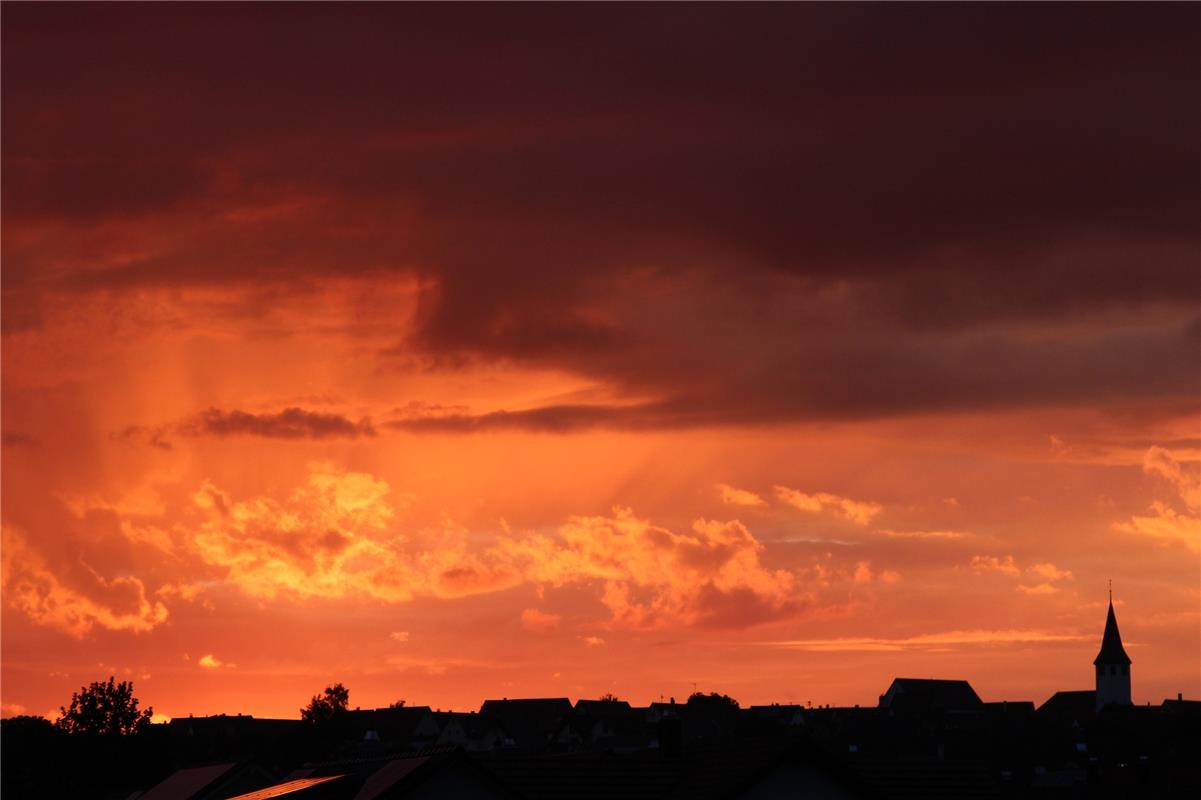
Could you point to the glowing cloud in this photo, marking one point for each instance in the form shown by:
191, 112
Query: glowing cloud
732, 496
539, 621
860, 512
995, 564
1165, 523
1050, 571
922, 534
212, 662
31, 586
968, 638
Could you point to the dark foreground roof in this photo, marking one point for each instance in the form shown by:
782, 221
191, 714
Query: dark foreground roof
186, 783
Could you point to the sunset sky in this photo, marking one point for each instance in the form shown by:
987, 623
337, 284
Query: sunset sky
455, 352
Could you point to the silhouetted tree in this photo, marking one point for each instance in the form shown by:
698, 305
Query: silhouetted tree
609, 697
397, 704
713, 701
325, 706
26, 722
104, 708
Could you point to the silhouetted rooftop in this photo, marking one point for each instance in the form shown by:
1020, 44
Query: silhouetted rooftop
186, 783
923, 694
1076, 704
1112, 651
288, 788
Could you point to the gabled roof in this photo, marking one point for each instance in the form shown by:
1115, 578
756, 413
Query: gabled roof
186, 783
539, 706
1112, 651
1075, 704
602, 708
921, 694
528, 719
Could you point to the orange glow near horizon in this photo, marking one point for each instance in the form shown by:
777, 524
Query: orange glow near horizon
448, 402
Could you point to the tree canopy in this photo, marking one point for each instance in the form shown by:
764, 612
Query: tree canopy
713, 700
106, 708
325, 706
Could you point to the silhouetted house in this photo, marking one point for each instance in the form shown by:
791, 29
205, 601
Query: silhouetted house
471, 731
1181, 706
657, 711
1075, 706
917, 695
1112, 665
601, 708
604, 725
233, 737
786, 715
529, 724
212, 782
403, 728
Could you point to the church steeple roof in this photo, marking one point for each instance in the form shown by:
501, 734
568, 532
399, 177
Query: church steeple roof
1112, 651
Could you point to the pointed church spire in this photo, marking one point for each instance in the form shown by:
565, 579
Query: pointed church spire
1112, 651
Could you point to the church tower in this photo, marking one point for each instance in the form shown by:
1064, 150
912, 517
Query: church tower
1113, 665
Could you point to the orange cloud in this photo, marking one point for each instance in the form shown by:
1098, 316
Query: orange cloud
994, 564
860, 512
1165, 523
653, 576
958, 638
1161, 462
336, 536
539, 621
891, 534
1050, 571
738, 497
212, 662
1038, 589
31, 586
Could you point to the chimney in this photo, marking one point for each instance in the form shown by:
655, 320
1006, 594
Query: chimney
1179, 696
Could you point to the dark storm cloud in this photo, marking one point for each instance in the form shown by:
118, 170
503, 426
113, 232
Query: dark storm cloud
870, 378
291, 423
546, 169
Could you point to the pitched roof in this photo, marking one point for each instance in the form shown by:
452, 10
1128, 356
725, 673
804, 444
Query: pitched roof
913, 694
185, 783
602, 708
290, 787
540, 706
530, 722
1074, 704
1112, 651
